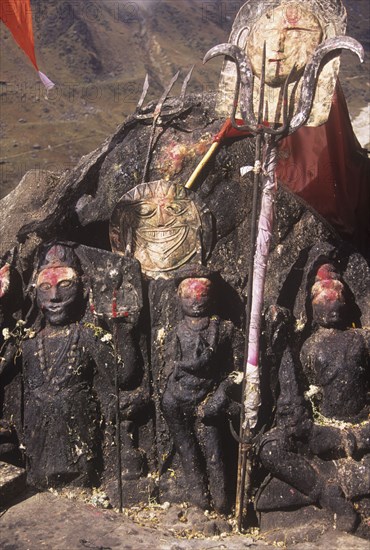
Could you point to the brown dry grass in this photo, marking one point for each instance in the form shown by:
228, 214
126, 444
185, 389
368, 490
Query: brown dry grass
98, 58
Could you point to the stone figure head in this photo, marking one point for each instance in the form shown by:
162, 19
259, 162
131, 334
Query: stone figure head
328, 298
162, 224
195, 290
58, 284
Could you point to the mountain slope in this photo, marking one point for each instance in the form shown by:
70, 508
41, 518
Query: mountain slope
98, 52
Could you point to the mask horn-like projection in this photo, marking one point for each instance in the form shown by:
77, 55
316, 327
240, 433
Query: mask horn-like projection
245, 78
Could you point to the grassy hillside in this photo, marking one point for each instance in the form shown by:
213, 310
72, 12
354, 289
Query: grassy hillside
97, 52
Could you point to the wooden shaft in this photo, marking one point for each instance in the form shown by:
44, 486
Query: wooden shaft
118, 420
201, 165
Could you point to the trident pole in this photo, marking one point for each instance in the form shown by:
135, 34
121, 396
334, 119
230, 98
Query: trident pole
245, 435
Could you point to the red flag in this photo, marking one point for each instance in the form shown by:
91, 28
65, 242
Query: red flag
17, 16
327, 167
229, 132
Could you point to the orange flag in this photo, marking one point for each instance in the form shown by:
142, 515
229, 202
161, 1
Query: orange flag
17, 16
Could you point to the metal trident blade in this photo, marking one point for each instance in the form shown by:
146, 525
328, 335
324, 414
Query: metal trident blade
160, 111
176, 109
244, 84
143, 94
166, 93
311, 73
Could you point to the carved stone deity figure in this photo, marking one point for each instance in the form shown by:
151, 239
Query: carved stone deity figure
195, 398
6, 444
336, 358
11, 329
320, 462
64, 408
290, 452
4, 288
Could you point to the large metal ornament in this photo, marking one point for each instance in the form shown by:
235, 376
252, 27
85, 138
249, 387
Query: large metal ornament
292, 31
163, 225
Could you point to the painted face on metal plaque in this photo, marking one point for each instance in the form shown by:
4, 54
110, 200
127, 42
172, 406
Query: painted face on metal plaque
164, 223
57, 291
291, 35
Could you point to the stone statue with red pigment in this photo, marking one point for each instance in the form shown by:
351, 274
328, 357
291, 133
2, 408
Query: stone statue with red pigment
68, 375
321, 456
196, 399
336, 357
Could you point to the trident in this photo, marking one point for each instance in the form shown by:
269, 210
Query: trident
261, 233
159, 111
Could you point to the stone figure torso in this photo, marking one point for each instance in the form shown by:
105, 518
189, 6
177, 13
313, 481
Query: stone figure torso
338, 362
62, 412
195, 369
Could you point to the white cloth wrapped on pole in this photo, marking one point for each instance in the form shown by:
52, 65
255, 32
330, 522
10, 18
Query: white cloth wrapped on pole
252, 396
264, 234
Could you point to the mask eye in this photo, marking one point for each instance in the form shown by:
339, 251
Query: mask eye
45, 286
145, 210
175, 208
66, 283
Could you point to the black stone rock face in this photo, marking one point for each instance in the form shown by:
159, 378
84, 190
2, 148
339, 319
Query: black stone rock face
127, 335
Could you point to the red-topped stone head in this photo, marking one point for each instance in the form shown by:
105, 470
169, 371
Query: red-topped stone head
328, 297
58, 283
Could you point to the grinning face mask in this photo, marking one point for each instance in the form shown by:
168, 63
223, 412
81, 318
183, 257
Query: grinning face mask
159, 223
166, 231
